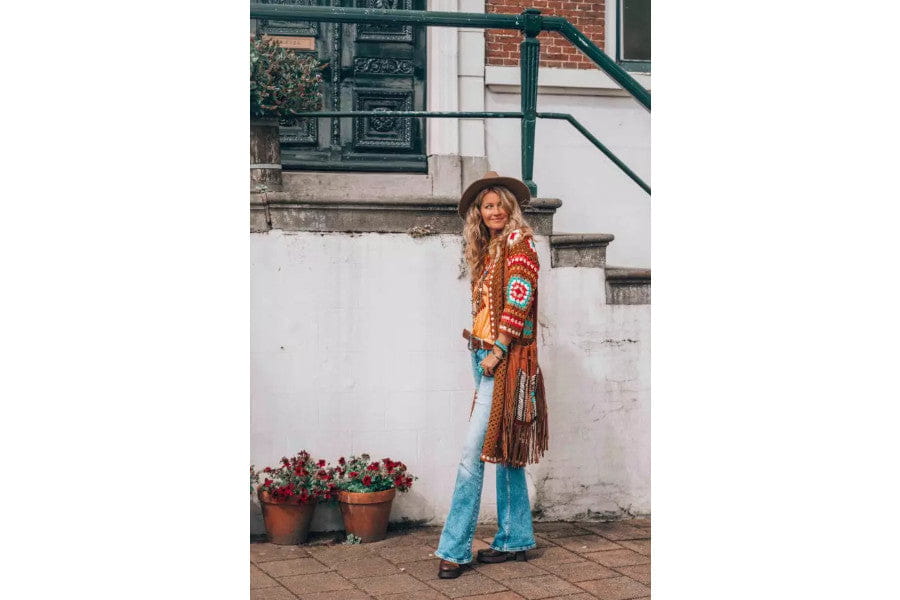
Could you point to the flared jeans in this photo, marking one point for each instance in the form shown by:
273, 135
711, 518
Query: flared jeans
514, 528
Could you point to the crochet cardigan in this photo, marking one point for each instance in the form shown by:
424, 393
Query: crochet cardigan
517, 431
512, 290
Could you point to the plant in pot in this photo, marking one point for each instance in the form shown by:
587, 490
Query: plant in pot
283, 85
366, 493
289, 493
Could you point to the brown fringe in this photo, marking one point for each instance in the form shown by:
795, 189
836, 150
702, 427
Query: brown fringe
516, 443
520, 442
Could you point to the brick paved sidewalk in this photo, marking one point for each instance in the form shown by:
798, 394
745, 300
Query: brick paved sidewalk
575, 561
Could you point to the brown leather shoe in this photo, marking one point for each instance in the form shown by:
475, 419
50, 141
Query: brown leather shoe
449, 570
489, 555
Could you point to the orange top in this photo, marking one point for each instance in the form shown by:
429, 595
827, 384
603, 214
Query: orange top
481, 328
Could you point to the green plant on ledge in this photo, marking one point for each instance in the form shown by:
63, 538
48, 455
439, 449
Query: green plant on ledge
282, 84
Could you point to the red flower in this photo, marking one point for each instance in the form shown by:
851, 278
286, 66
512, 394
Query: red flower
283, 492
267, 482
321, 462
267, 470
367, 480
409, 481
398, 481
341, 461
373, 467
353, 473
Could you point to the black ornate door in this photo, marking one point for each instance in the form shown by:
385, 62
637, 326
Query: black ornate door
370, 67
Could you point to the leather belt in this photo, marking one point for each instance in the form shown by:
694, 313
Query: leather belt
476, 343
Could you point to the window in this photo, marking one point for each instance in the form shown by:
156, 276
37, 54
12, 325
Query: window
633, 39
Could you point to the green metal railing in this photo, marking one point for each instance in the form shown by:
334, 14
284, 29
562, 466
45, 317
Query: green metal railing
530, 23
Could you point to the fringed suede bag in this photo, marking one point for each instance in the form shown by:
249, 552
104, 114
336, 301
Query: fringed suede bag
522, 432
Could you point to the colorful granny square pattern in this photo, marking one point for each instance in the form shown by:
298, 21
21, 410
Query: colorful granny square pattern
513, 237
519, 291
531, 245
521, 259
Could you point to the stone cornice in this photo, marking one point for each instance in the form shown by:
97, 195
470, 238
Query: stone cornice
627, 274
579, 249
573, 82
414, 215
627, 285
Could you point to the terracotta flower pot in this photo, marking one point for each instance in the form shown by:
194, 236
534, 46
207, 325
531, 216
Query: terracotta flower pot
287, 523
366, 513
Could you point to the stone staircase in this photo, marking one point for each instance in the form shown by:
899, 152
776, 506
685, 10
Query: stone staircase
425, 204
623, 285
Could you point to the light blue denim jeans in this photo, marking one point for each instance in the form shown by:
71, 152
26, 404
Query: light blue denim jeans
514, 528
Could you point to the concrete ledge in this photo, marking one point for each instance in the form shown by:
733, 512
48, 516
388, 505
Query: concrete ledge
289, 211
571, 82
627, 286
579, 249
319, 184
419, 204
447, 174
259, 214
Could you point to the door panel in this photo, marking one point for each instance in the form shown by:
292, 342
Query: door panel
370, 67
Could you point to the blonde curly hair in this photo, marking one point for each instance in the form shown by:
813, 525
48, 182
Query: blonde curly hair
478, 244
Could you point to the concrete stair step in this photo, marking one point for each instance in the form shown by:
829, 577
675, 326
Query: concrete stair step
414, 203
320, 185
345, 210
626, 285
579, 249
447, 176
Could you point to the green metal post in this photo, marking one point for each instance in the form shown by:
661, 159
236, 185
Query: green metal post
529, 59
530, 22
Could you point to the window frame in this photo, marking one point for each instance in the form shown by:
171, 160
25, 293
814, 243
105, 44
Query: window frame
636, 66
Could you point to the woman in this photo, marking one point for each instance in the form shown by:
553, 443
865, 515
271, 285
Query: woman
508, 420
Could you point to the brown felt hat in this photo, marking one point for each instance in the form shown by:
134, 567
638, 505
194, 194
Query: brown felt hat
492, 179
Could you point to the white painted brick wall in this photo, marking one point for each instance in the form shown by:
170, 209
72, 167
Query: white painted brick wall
356, 347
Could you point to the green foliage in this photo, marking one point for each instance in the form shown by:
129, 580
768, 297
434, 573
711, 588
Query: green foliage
352, 539
302, 479
282, 83
298, 479
358, 474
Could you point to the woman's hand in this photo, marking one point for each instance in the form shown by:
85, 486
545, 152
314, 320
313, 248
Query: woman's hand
489, 363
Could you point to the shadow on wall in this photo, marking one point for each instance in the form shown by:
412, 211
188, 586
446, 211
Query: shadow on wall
582, 491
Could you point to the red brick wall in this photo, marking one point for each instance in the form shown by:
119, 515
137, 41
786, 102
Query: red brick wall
556, 51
